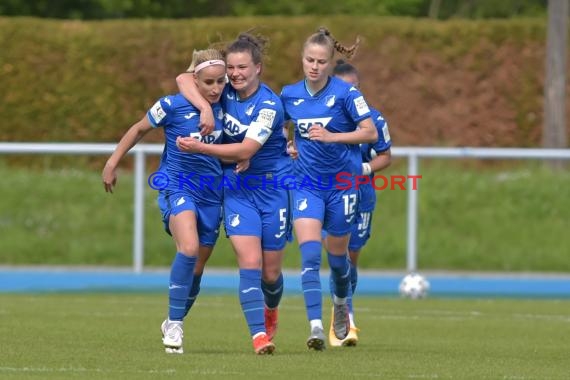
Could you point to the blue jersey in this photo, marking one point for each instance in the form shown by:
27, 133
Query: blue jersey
197, 174
261, 118
368, 152
338, 107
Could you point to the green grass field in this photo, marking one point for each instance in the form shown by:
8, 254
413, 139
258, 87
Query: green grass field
116, 336
499, 216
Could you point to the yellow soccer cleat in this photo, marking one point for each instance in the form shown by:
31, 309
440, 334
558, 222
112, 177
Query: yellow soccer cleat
349, 341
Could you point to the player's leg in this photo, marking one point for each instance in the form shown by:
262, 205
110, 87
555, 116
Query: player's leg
243, 226
308, 213
184, 231
339, 219
209, 218
274, 208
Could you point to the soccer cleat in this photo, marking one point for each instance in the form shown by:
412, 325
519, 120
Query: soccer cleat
350, 340
172, 335
341, 321
316, 340
262, 345
271, 317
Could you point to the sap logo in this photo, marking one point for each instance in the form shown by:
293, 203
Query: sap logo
190, 115
303, 125
207, 139
232, 126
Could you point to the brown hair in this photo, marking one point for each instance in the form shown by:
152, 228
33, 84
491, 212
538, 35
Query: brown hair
254, 44
324, 37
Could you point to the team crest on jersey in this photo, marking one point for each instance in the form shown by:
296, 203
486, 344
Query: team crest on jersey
329, 102
220, 114
249, 110
234, 220
302, 204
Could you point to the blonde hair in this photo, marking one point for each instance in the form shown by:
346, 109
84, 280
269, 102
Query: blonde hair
324, 38
201, 56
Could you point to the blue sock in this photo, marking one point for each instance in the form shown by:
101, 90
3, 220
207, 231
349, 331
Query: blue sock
181, 276
310, 279
353, 277
194, 290
251, 299
340, 273
272, 292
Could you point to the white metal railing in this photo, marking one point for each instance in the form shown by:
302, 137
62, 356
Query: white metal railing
412, 153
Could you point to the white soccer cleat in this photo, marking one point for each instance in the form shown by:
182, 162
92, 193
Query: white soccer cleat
172, 335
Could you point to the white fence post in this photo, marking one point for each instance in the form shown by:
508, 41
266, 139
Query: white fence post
138, 222
412, 233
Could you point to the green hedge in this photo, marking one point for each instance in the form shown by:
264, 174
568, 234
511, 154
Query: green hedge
81, 81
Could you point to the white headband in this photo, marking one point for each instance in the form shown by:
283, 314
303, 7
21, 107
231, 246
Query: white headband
209, 63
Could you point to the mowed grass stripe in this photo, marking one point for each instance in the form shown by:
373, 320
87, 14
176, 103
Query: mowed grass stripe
94, 336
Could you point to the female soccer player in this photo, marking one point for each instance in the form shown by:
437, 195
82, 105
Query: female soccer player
256, 204
329, 116
371, 158
191, 213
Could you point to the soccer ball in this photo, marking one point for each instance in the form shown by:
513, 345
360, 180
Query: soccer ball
414, 286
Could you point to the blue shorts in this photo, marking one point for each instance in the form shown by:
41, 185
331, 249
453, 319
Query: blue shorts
336, 209
261, 212
362, 226
208, 216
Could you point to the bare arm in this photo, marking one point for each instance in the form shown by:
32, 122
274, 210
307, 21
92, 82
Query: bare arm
380, 162
136, 132
187, 87
365, 133
226, 152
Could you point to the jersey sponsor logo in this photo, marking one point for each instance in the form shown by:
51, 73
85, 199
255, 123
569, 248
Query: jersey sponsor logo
190, 115
298, 101
329, 100
232, 126
361, 106
303, 125
157, 112
207, 139
266, 117
249, 110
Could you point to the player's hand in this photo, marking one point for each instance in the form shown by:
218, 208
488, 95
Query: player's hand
207, 122
319, 133
188, 144
242, 166
109, 178
292, 150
